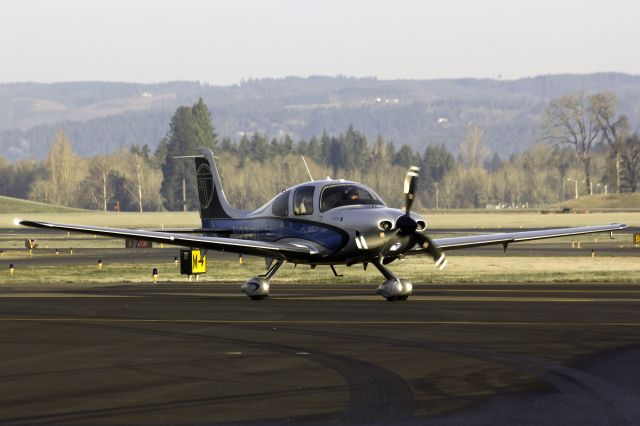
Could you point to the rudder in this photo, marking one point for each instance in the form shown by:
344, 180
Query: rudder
213, 202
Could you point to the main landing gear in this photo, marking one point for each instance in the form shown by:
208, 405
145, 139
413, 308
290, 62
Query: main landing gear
393, 288
257, 288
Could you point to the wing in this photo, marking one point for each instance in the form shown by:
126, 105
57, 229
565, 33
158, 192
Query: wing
456, 243
278, 250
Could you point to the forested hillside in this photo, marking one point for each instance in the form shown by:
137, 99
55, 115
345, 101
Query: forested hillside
102, 117
571, 162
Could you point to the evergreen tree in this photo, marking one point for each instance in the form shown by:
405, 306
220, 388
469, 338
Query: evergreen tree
190, 128
355, 149
436, 163
314, 150
228, 146
259, 148
243, 149
404, 157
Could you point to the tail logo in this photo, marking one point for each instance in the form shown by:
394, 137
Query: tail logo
205, 185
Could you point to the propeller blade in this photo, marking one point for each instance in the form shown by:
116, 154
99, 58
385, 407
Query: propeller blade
410, 184
432, 249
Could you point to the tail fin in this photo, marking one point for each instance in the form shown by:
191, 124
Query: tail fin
213, 202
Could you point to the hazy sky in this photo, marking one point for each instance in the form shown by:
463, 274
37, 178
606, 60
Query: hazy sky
222, 42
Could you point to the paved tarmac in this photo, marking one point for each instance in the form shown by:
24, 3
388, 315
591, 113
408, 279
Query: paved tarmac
204, 353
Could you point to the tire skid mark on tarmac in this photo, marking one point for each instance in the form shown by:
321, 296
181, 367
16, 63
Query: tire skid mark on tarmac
620, 407
375, 393
80, 415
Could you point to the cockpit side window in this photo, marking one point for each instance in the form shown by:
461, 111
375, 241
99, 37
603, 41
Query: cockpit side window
346, 195
280, 206
303, 200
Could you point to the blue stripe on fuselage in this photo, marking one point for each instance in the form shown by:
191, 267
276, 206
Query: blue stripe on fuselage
272, 229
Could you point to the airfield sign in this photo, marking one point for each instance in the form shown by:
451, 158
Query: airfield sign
192, 262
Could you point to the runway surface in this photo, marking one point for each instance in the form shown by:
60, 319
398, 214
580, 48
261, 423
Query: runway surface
204, 353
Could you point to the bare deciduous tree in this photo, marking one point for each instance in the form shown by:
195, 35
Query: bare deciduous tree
141, 181
631, 162
98, 180
63, 170
614, 130
472, 151
569, 120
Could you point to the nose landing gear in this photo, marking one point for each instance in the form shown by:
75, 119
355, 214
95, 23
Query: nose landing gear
394, 288
257, 288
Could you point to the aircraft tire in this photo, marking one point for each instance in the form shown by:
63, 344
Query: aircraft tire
397, 298
258, 297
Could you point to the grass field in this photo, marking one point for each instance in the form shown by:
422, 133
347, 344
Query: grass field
124, 220
605, 201
15, 205
461, 269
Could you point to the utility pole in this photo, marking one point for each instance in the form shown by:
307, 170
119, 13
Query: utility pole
576, 182
184, 195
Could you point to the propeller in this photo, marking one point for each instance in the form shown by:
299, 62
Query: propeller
405, 225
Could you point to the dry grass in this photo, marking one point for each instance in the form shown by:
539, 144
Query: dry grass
483, 219
461, 269
11, 205
123, 220
608, 201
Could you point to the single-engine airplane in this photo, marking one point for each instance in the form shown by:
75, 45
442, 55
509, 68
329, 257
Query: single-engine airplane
323, 222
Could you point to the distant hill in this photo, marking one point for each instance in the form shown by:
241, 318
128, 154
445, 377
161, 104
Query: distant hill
103, 116
18, 206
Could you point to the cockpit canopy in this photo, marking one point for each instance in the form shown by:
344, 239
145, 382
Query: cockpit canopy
304, 199
338, 195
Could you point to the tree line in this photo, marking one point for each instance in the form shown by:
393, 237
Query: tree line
585, 147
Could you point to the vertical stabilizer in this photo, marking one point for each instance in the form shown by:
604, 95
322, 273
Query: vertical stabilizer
213, 203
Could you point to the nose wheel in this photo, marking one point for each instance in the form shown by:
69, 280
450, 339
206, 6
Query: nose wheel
394, 288
257, 288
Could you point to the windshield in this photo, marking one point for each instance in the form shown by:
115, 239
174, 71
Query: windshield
346, 195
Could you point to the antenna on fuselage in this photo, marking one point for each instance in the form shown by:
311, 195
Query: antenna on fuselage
307, 167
